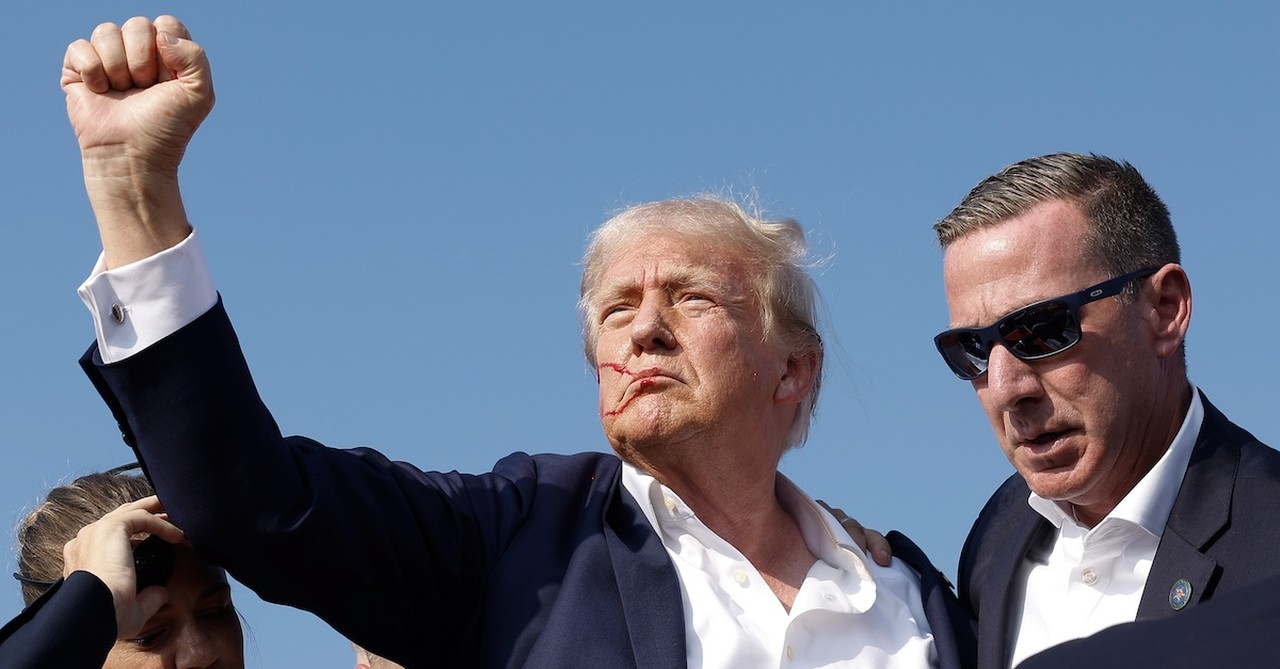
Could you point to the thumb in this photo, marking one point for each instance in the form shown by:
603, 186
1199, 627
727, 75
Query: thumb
184, 60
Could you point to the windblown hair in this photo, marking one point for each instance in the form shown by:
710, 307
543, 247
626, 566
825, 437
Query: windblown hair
1129, 226
66, 509
774, 252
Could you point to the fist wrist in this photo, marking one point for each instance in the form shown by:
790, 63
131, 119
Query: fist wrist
138, 214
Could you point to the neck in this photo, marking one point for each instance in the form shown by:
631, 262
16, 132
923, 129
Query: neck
730, 486
738, 501
1163, 427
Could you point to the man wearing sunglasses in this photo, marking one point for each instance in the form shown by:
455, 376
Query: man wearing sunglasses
1134, 498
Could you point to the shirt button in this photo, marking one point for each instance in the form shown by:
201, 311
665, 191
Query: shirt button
791, 654
741, 577
1089, 576
671, 504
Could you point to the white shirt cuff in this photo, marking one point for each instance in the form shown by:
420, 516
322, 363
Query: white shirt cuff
139, 304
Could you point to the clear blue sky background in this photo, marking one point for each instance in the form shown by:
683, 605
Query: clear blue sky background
394, 197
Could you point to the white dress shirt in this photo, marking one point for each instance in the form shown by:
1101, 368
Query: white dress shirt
1093, 578
139, 304
849, 612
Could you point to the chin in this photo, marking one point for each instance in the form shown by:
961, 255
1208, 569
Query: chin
627, 444
1056, 486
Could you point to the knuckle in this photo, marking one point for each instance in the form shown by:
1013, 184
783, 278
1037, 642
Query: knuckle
107, 28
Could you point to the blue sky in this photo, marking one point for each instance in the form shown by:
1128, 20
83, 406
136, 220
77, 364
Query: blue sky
394, 197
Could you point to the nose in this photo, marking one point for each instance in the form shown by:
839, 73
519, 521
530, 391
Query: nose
650, 330
1009, 380
197, 649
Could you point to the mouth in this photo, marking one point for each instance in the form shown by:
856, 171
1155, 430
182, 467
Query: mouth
1045, 444
1047, 438
637, 384
644, 380
640, 374
633, 390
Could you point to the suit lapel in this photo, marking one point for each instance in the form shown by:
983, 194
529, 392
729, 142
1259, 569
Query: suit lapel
1201, 510
647, 583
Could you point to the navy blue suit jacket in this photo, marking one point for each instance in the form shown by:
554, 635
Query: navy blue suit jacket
545, 561
1223, 534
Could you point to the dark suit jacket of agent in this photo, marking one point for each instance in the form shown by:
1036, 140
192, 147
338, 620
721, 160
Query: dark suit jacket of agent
1223, 534
543, 562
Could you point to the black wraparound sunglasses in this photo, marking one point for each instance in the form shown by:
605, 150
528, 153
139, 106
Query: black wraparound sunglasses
1033, 332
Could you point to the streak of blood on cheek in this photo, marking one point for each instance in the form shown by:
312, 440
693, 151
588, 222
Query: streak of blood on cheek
644, 383
615, 367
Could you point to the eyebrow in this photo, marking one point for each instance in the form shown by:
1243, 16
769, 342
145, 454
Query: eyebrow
675, 278
207, 593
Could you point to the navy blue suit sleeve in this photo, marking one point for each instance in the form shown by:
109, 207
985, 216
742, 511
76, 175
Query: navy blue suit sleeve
1235, 629
72, 626
391, 556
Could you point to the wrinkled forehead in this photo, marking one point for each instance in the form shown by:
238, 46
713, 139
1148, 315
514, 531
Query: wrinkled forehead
676, 254
673, 260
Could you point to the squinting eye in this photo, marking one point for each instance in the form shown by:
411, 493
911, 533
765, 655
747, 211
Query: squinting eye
149, 639
608, 312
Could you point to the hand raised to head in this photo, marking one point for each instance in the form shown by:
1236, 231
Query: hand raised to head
104, 548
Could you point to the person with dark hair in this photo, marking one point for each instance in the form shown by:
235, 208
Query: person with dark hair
1134, 497
686, 547
108, 582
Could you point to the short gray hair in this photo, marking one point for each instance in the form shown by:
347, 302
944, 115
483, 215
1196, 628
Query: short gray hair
1129, 226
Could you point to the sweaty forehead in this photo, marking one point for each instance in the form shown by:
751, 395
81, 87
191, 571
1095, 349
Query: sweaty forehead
997, 270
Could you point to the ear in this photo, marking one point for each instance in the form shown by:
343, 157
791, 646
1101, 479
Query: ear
801, 374
1170, 301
